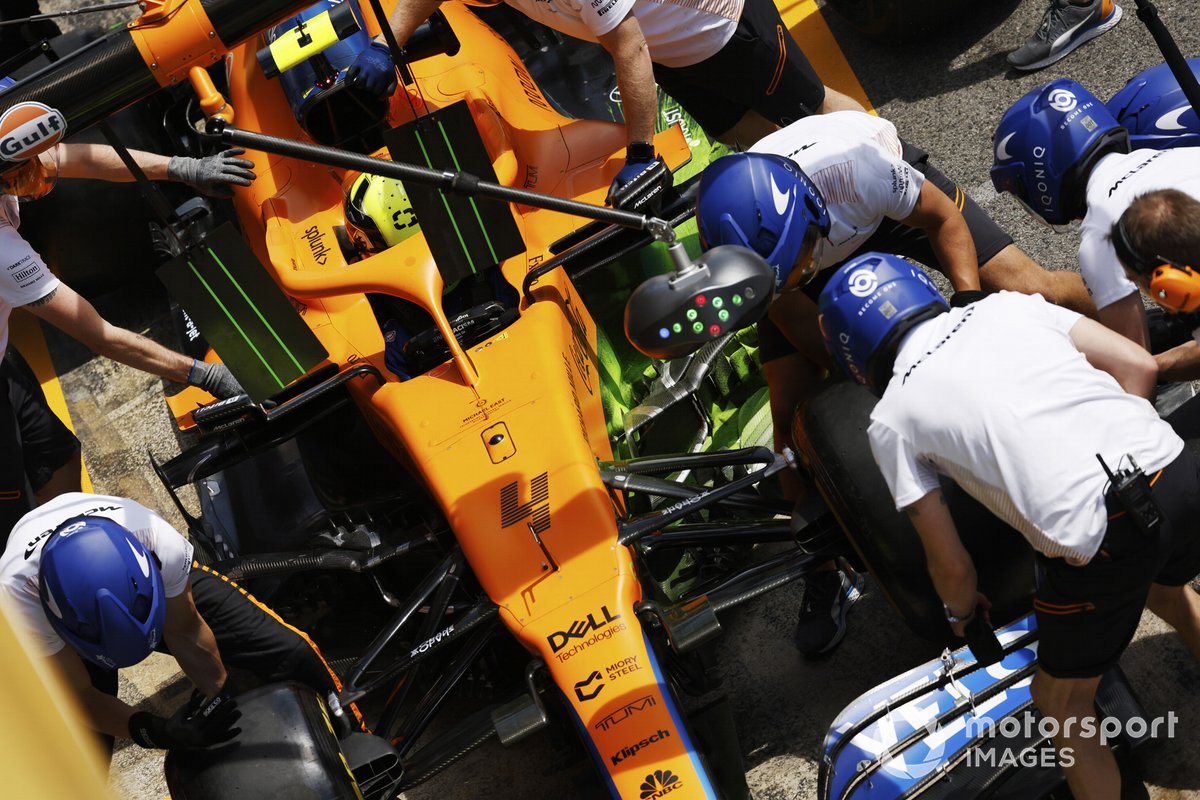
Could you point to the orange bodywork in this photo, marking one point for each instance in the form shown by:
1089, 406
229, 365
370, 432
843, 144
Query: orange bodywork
505, 435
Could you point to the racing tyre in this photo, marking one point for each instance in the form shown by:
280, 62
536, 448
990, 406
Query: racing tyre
838, 456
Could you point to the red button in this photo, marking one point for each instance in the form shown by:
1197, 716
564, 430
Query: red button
701, 299
714, 329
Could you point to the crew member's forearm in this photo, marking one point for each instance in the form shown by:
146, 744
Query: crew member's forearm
1181, 363
140, 352
955, 249
635, 78
408, 15
101, 162
199, 659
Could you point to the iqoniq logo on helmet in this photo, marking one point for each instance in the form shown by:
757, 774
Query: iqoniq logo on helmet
29, 128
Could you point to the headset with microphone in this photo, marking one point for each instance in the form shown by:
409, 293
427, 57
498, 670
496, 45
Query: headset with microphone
1174, 286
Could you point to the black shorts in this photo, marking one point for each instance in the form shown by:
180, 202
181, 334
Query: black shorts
252, 637
34, 443
900, 239
760, 68
1088, 615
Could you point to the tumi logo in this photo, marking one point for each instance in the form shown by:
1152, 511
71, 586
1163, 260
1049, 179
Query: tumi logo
27, 129
625, 712
537, 510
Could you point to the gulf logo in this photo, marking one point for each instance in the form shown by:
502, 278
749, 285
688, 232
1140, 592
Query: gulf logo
28, 128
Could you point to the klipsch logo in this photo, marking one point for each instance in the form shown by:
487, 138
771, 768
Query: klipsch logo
659, 783
625, 712
633, 749
512, 510
27, 129
602, 629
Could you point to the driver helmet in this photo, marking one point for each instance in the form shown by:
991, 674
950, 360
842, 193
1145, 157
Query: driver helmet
1046, 146
867, 307
378, 212
764, 202
102, 591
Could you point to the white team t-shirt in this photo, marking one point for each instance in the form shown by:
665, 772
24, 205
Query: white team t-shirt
24, 277
1116, 181
854, 159
23, 554
997, 397
679, 33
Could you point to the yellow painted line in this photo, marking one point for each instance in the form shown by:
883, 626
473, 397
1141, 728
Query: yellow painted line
26, 335
804, 20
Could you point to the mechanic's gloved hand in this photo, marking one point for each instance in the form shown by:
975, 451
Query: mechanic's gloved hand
214, 174
640, 186
373, 70
216, 379
198, 724
627, 175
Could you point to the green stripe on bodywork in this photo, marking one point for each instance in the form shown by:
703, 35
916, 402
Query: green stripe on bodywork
234, 322
471, 200
446, 205
270, 328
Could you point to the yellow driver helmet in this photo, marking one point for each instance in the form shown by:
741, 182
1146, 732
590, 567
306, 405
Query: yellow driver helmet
378, 212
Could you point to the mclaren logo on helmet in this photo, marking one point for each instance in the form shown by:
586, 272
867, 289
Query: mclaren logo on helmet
29, 128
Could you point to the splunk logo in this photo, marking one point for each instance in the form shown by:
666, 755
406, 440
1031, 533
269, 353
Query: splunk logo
27, 129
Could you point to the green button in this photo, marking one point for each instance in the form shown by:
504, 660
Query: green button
737, 299
692, 313
698, 327
677, 328
722, 315
718, 302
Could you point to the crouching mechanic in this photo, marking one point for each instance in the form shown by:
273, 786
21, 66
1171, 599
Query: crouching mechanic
810, 196
1013, 398
99, 582
1064, 157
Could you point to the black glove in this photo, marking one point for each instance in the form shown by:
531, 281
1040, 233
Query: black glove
216, 379
966, 297
198, 724
214, 174
373, 70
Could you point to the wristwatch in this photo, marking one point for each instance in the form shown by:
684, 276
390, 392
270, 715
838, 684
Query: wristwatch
636, 152
953, 619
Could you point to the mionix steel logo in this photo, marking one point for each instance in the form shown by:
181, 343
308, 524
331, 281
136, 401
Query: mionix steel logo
512, 510
582, 690
27, 129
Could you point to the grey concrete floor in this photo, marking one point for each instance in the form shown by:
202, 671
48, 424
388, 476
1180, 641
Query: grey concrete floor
945, 93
